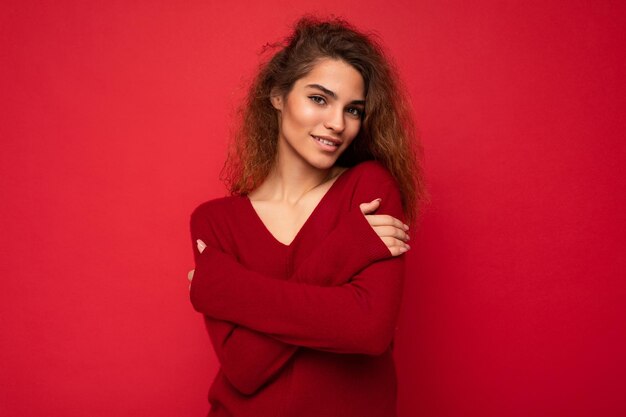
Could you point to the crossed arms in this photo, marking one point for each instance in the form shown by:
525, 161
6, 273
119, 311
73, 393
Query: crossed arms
343, 298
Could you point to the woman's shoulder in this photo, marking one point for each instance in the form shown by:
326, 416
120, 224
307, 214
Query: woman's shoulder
374, 180
373, 172
215, 207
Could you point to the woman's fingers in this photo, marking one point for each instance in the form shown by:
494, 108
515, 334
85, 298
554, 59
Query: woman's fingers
381, 219
370, 206
383, 230
190, 277
201, 246
386, 220
392, 231
395, 246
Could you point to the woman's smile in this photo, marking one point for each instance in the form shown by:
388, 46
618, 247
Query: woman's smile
326, 144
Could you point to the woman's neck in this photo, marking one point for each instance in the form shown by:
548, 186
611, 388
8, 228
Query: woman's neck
290, 183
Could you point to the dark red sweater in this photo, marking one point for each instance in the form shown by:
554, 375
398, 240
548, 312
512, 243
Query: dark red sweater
304, 329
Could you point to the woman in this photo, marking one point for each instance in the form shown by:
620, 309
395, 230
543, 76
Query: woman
300, 283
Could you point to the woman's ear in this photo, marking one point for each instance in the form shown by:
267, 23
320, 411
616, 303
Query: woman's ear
276, 99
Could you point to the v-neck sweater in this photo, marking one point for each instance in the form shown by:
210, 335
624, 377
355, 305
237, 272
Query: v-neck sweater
304, 329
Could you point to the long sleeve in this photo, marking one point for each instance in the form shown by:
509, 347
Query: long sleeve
249, 358
349, 247
356, 317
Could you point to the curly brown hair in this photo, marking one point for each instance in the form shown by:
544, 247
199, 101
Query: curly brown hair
387, 132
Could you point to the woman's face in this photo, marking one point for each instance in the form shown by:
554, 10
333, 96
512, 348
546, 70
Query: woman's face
322, 113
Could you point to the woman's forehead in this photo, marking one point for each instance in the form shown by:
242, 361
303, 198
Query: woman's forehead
335, 78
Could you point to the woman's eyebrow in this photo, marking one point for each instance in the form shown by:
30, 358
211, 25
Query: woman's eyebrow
332, 93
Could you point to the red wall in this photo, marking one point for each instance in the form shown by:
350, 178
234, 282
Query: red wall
113, 127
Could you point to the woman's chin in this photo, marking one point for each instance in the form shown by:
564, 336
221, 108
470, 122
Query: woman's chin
322, 162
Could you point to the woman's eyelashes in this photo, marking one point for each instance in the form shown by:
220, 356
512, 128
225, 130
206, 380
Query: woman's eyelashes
358, 113
354, 111
318, 99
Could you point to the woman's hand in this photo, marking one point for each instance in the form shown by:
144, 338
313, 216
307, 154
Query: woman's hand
391, 230
201, 245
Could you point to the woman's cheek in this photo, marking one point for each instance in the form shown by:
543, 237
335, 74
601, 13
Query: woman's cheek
308, 114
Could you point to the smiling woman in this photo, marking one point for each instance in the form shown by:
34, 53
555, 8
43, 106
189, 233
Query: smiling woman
299, 272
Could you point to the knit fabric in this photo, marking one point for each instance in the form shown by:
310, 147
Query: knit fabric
304, 329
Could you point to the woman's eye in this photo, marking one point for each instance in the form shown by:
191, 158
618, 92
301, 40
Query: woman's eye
355, 111
318, 99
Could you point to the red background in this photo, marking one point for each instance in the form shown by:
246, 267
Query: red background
114, 123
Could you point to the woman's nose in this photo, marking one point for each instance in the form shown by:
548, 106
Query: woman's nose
335, 121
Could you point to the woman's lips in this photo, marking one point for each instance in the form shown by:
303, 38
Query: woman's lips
323, 145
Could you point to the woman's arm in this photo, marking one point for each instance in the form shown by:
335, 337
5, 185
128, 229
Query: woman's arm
249, 358
357, 317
